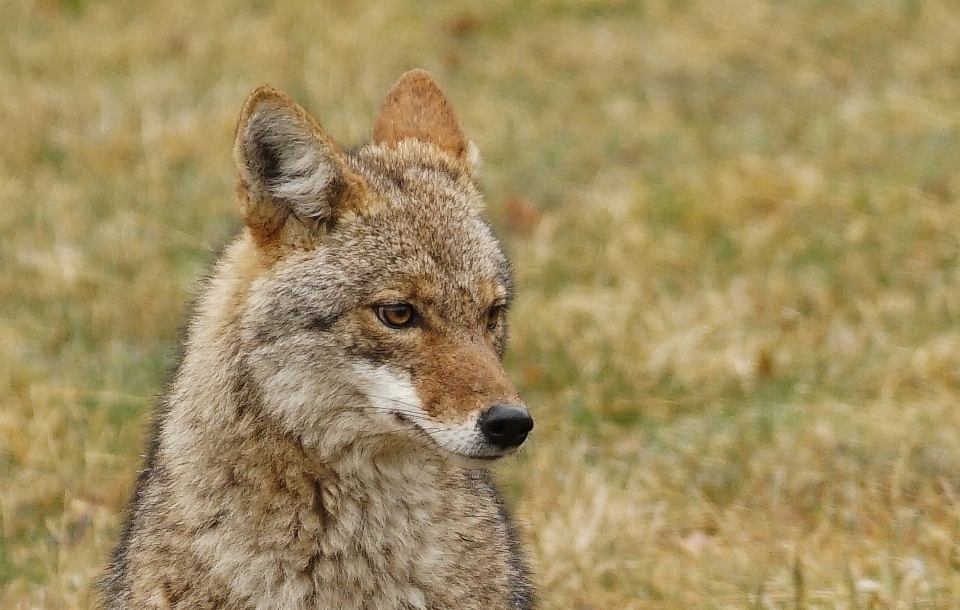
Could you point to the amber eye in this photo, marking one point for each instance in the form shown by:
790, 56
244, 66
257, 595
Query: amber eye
396, 315
494, 317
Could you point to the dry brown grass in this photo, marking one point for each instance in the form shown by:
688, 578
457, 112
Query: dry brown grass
735, 225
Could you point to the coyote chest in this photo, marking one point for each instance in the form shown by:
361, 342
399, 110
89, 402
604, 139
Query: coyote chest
380, 538
326, 438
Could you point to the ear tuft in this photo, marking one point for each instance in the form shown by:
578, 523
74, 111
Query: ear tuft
416, 108
287, 164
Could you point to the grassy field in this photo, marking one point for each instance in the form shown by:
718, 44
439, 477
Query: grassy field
736, 229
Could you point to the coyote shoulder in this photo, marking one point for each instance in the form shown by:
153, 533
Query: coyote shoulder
325, 440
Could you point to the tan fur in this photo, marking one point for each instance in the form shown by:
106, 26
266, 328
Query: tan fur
307, 455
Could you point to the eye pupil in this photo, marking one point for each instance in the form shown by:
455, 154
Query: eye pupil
396, 315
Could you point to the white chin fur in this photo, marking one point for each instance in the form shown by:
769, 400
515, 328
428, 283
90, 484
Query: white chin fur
391, 394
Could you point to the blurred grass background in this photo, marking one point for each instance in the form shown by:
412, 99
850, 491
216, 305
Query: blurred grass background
735, 226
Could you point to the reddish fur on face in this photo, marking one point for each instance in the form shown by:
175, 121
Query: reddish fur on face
455, 378
452, 358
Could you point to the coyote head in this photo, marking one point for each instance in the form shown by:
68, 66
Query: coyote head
376, 295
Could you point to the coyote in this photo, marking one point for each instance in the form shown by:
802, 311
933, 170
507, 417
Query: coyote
325, 440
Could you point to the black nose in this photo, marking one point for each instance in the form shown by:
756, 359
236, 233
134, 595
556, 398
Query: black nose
506, 426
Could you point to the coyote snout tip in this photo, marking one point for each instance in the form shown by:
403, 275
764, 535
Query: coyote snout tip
505, 426
485, 433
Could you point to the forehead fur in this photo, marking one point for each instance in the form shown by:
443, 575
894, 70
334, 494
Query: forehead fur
424, 237
419, 168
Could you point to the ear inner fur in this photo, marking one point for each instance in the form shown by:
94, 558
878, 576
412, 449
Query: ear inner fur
416, 108
290, 168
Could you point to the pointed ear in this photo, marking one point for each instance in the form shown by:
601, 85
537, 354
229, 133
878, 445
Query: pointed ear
289, 168
417, 109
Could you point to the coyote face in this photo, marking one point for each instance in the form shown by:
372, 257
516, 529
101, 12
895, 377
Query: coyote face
376, 299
